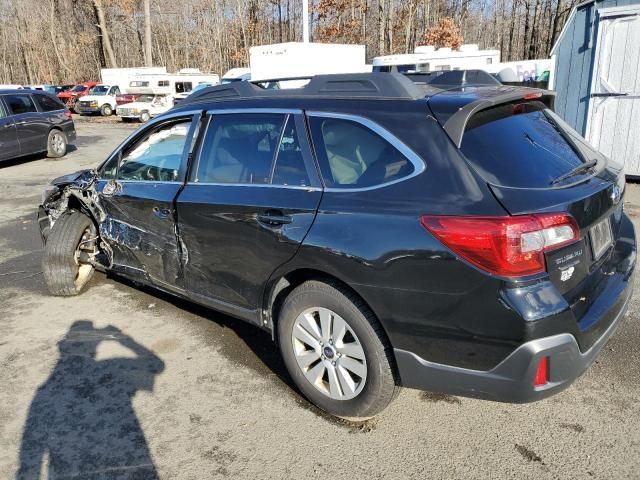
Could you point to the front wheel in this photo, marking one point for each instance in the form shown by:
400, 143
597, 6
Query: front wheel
144, 117
71, 244
335, 351
106, 110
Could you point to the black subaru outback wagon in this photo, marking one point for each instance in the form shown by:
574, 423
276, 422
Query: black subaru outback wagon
460, 240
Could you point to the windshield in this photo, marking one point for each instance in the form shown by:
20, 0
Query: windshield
524, 145
78, 88
99, 90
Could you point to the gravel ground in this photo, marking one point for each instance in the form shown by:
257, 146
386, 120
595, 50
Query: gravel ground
122, 382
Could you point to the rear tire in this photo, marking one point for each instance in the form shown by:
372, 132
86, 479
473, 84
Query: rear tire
63, 273
56, 144
349, 375
106, 110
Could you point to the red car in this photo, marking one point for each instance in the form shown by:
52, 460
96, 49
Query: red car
124, 98
70, 97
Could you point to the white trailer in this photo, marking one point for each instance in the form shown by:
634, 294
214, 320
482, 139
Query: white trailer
171, 83
295, 59
429, 59
522, 70
121, 77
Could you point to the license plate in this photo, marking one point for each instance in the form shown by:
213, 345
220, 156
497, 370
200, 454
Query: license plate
600, 236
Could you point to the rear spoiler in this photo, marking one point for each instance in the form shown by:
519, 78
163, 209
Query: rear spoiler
457, 122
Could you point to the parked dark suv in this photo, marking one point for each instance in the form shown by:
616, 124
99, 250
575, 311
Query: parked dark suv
33, 122
465, 241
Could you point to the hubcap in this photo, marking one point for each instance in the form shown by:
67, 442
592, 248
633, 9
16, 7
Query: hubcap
329, 353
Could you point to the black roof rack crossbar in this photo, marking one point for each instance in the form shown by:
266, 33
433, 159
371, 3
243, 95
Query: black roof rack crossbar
361, 85
457, 122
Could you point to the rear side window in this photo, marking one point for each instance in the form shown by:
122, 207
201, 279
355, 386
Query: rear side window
48, 104
351, 155
3, 110
523, 145
240, 148
20, 104
289, 166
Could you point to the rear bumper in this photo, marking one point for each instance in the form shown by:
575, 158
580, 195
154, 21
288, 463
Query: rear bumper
512, 379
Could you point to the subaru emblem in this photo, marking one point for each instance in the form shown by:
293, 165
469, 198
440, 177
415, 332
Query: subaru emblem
616, 193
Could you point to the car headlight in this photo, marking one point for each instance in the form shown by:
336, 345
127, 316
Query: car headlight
136, 110
94, 104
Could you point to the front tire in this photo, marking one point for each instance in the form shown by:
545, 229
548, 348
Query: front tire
144, 117
336, 351
106, 110
71, 236
56, 144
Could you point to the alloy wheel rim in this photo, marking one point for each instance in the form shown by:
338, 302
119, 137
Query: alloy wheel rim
329, 353
58, 143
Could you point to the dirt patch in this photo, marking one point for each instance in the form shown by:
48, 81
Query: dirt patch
440, 397
574, 427
528, 454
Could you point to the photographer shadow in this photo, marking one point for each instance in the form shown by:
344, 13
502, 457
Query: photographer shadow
81, 422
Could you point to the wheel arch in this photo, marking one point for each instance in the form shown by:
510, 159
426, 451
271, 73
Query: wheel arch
282, 284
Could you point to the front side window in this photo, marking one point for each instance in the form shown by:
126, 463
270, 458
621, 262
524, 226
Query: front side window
156, 157
48, 104
99, 90
352, 155
240, 148
20, 104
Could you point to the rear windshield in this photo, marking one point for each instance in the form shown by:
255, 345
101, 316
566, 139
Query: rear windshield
523, 145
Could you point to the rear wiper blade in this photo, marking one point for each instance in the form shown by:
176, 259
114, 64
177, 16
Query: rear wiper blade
579, 169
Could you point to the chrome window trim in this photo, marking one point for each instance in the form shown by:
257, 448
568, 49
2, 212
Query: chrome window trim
291, 111
418, 163
263, 185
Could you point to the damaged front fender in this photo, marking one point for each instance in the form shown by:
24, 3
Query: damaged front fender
76, 191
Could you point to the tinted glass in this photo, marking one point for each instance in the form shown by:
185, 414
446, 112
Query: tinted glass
20, 104
240, 148
290, 168
48, 104
157, 156
99, 90
353, 156
522, 145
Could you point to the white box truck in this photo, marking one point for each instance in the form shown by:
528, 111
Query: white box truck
294, 59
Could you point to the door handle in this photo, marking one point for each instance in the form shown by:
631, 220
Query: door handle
274, 219
161, 213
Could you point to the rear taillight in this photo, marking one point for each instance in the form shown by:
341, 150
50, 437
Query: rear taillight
68, 114
506, 246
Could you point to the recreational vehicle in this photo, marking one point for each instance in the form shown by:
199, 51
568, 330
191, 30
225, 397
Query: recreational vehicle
429, 59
